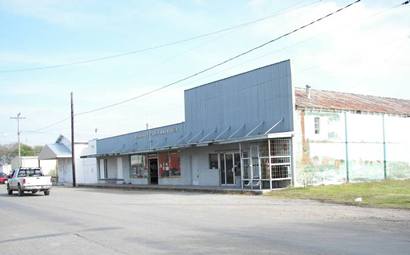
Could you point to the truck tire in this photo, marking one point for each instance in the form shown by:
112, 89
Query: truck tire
46, 192
34, 191
20, 190
9, 191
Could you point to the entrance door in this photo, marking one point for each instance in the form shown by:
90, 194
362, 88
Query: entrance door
153, 171
230, 167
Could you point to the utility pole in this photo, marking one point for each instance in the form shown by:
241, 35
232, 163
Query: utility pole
18, 118
72, 140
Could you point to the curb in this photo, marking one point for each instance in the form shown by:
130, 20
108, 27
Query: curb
172, 188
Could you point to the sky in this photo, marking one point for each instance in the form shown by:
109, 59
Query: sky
363, 49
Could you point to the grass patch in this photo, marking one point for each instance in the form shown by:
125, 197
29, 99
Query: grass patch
388, 194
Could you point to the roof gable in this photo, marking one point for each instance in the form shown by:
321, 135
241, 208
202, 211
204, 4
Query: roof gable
54, 151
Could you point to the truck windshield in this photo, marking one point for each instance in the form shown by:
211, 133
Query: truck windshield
30, 173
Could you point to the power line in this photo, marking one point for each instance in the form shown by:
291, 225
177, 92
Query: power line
18, 118
56, 123
220, 63
204, 70
164, 45
48, 126
293, 45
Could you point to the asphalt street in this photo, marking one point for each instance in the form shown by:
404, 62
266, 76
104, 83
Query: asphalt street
97, 221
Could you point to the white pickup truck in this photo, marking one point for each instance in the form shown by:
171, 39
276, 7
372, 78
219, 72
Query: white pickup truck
28, 179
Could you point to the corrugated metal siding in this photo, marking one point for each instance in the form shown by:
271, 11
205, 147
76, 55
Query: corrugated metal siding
261, 95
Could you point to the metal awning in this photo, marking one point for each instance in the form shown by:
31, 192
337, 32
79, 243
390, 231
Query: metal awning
185, 146
200, 138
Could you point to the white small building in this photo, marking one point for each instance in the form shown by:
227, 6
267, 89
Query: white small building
86, 168
6, 168
48, 167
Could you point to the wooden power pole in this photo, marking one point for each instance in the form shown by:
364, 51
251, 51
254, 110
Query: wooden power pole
18, 118
72, 140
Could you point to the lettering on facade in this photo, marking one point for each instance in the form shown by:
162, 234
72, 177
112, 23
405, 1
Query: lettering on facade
158, 131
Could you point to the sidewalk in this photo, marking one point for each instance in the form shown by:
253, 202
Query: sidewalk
205, 189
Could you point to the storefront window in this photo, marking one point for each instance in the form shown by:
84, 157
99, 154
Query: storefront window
139, 167
255, 167
265, 168
222, 164
163, 162
169, 164
246, 169
263, 149
245, 150
237, 159
213, 161
254, 151
279, 172
280, 147
268, 163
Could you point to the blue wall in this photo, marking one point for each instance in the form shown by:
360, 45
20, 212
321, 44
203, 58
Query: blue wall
260, 95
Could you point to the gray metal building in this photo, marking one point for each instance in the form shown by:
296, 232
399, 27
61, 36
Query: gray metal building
255, 131
237, 134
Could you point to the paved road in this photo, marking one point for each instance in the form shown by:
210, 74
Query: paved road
89, 221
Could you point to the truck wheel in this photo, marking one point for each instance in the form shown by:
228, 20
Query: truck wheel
34, 191
9, 191
20, 190
46, 192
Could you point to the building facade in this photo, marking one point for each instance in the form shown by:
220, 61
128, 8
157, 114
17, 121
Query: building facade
256, 131
230, 138
344, 137
6, 169
60, 152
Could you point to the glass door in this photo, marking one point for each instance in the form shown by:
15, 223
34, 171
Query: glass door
153, 171
230, 177
229, 164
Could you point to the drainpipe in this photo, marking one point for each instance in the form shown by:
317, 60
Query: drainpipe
347, 150
384, 149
